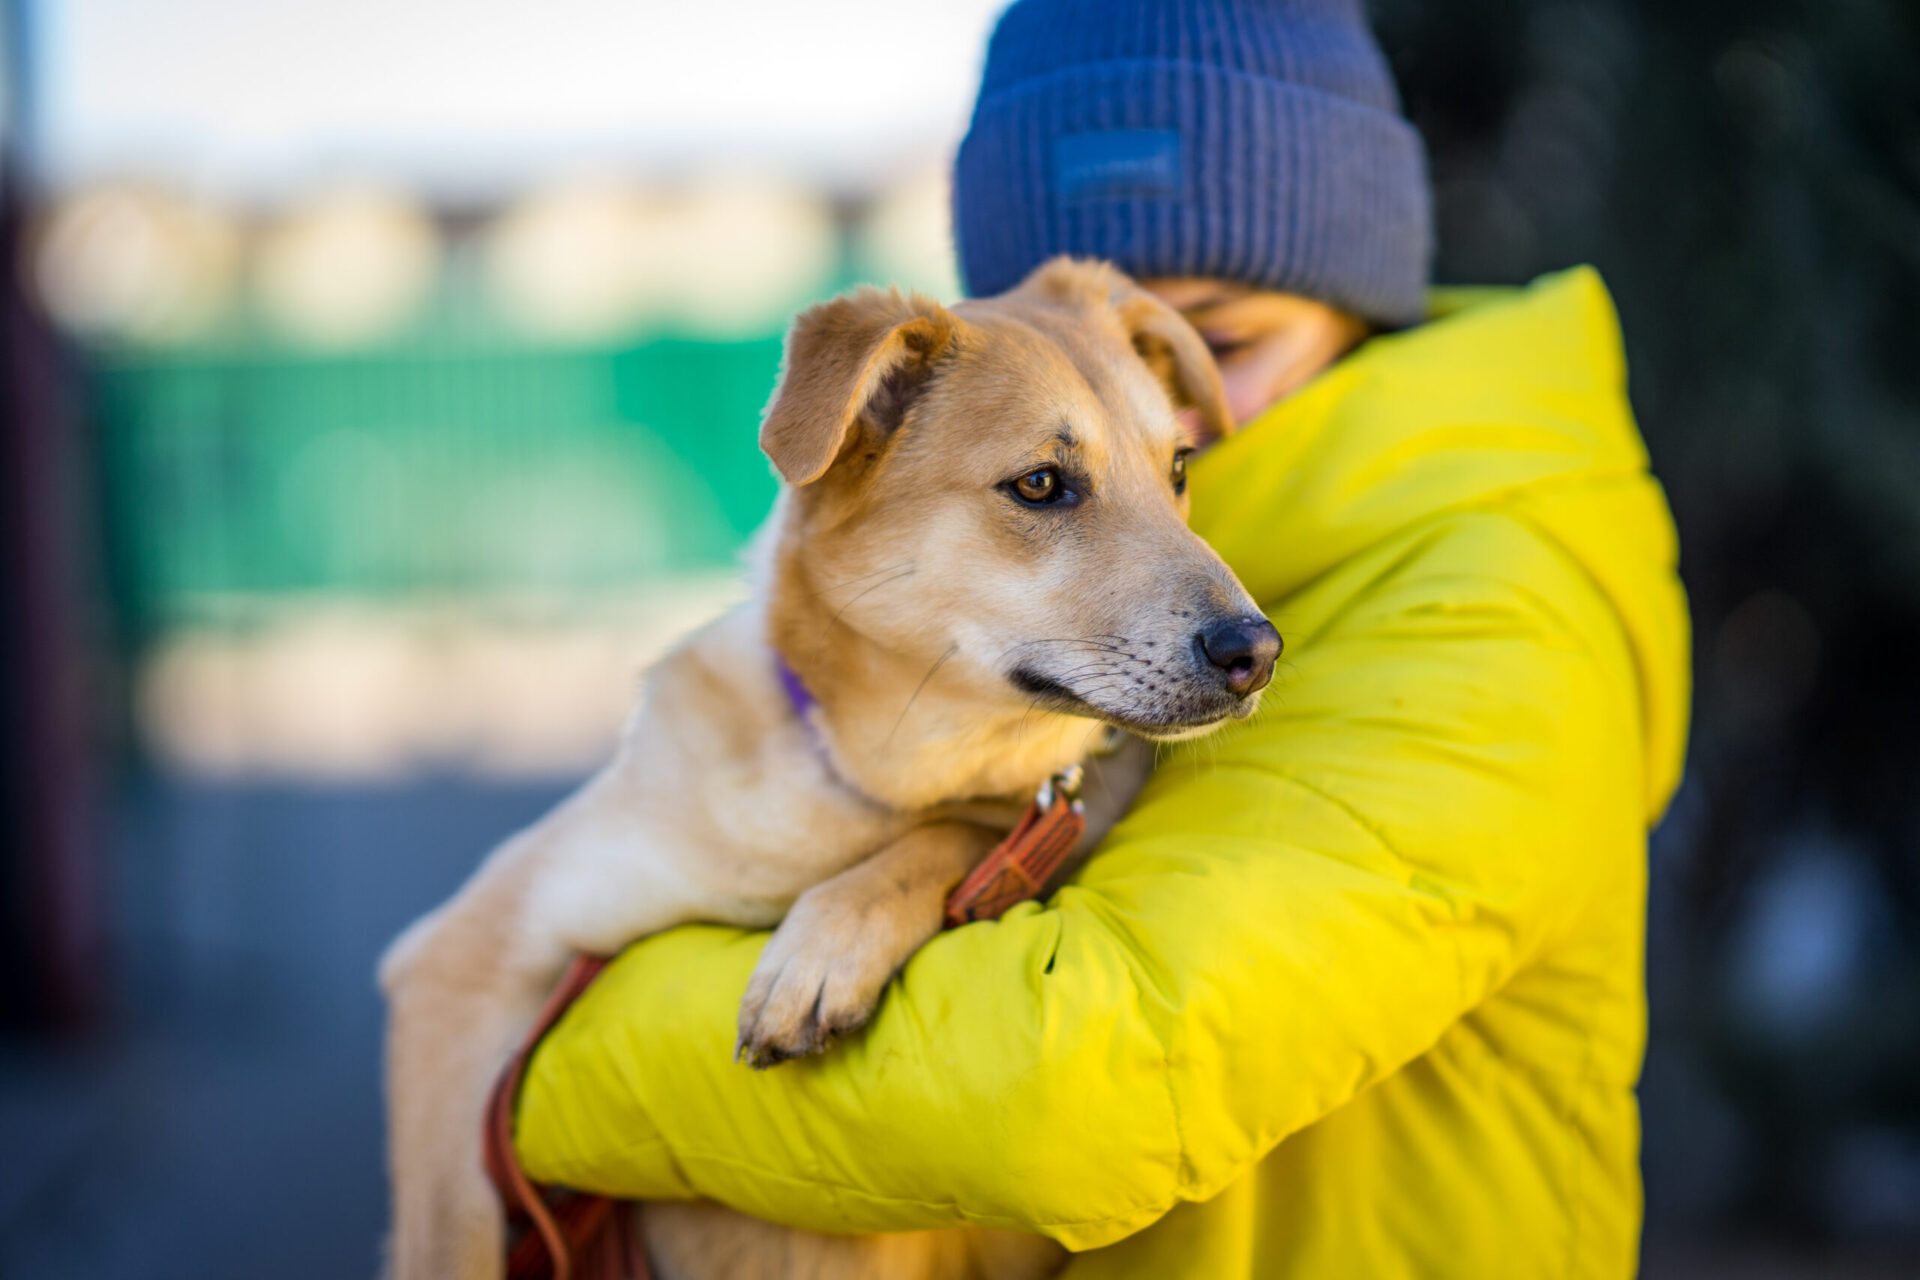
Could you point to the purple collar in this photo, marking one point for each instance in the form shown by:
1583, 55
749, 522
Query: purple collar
801, 699
798, 694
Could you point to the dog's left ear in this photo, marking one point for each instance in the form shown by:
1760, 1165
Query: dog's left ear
855, 363
1178, 356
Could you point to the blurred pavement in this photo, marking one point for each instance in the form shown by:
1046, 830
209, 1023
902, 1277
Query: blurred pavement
229, 1125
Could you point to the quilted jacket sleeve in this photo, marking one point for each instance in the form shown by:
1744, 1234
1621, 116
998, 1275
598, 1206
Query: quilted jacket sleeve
1448, 766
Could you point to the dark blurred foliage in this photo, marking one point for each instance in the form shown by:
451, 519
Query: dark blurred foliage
1747, 178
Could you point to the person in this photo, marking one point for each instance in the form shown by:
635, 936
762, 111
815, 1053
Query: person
1356, 988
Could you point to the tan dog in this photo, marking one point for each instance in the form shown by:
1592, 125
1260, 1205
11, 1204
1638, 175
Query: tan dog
980, 561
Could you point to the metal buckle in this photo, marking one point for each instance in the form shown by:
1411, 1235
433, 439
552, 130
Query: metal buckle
1065, 783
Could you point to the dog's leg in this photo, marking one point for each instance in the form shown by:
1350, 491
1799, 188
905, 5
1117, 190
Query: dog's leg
463, 986
700, 1240
461, 990
825, 967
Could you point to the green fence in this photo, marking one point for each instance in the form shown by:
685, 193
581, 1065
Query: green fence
408, 471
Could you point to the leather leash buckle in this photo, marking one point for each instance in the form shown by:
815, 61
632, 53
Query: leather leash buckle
1020, 866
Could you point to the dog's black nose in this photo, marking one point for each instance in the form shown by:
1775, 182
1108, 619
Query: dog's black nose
1242, 650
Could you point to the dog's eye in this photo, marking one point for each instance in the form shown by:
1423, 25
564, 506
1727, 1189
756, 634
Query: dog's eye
1039, 488
1180, 471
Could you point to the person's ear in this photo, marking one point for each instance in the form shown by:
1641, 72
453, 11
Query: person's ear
853, 364
1178, 356
1275, 342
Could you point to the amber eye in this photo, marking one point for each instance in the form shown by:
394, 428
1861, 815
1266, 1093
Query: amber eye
1180, 471
1039, 487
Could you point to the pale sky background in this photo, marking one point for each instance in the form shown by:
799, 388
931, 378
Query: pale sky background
475, 97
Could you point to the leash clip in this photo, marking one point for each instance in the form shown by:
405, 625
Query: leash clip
1066, 785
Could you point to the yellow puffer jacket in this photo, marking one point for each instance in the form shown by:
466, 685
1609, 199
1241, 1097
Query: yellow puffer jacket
1356, 990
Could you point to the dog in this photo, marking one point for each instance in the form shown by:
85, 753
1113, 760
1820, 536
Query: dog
978, 563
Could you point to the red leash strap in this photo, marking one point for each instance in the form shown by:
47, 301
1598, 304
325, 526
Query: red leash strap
568, 1235
560, 1235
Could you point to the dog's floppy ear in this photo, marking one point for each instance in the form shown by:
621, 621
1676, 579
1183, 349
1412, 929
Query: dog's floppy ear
860, 358
1178, 357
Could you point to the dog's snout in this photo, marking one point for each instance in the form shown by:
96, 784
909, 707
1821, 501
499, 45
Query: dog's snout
1242, 650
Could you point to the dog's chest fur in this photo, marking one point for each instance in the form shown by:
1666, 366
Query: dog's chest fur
720, 798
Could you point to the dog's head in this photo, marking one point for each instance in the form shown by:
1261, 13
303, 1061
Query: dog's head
998, 490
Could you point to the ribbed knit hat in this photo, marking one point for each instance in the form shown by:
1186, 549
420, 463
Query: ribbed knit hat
1251, 140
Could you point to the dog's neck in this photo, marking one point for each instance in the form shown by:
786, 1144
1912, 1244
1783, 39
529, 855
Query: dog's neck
896, 727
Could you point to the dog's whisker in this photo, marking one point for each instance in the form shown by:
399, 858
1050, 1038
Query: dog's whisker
937, 664
1021, 732
1095, 642
841, 611
848, 582
1101, 668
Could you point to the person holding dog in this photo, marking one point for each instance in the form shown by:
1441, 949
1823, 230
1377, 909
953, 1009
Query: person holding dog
1356, 988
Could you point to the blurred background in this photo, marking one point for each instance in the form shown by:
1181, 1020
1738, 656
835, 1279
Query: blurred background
379, 393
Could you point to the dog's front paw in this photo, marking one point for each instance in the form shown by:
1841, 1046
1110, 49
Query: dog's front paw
821, 975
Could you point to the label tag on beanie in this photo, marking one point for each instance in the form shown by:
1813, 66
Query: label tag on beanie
1117, 164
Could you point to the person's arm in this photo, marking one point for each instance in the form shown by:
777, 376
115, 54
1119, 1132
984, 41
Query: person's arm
1294, 910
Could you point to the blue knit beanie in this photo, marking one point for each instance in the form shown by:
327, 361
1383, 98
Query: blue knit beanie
1251, 140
